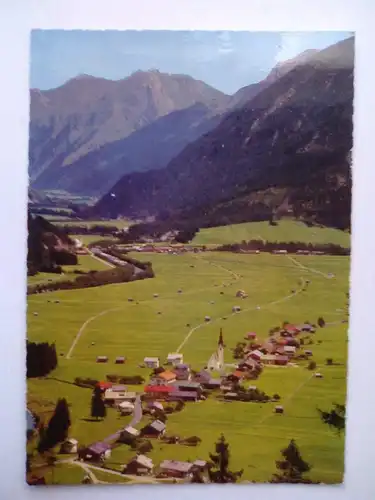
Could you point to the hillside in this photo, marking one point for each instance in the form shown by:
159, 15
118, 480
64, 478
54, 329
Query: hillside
295, 134
88, 113
48, 246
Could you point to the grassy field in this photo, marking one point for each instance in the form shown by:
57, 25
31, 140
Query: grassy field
286, 230
135, 330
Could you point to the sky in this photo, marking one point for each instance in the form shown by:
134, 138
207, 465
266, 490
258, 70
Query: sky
226, 60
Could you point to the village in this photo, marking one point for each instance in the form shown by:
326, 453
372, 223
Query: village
173, 383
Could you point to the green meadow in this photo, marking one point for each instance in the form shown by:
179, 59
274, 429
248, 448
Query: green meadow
286, 230
148, 326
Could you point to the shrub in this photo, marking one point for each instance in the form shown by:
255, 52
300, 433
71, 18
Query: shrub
311, 365
276, 397
329, 361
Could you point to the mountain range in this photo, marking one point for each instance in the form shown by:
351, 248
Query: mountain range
88, 133
293, 134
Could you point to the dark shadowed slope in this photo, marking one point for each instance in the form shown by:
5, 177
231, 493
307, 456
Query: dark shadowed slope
296, 130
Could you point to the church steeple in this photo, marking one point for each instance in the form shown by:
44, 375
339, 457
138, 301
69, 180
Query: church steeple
221, 341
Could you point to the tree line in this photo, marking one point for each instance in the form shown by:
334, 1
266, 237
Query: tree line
121, 274
290, 247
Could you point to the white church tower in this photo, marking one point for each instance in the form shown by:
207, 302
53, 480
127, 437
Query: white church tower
216, 361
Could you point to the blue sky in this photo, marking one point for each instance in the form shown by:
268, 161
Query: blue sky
227, 60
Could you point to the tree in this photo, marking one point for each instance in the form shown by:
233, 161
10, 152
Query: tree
321, 322
58, 427
219, 468
334, 418
311, 365
292, 467
98, 409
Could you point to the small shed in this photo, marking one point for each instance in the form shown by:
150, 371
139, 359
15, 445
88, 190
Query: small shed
308, 352
102, 359
236, 309
175, 358
279, 409
257, 355
130, 299
251, 336
156, 295
155, 405
70, 445
120, 360
318, 375
151, 362
207, 318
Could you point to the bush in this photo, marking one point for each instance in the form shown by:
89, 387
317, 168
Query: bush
311, 365
86, 382
276, 397
329, 361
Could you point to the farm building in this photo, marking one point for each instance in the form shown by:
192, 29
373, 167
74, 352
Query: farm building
268, 359
202, 376
154, 429
155, 405
183, 395
119, 388
249, 364
308, 352
120, 360
251, 336
268, 348
70, 445
236, 309
306, 327
152, 362
175, 468
281, 360
96, 452
159, 391
139, 465
175, 358
182, 371
128, 435
114, 398
236, 376
213, 383
188, 386
207, 318
241, 294
126, 407
318, 375
279, 409
291, 330
289, 350
257, 355
232, 396
166, 377
102, 359
200, 465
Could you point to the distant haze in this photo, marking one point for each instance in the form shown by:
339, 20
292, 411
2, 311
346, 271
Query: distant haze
226, 60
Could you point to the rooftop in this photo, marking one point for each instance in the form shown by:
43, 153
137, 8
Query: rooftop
176, 465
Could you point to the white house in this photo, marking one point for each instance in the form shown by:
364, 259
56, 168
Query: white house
70, 445
152, 362
126, 407
175, 358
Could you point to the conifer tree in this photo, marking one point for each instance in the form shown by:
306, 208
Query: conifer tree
58, 427
98, 409
292, 467
219, 468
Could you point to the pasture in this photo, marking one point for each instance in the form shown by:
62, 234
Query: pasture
285, 231
107, 324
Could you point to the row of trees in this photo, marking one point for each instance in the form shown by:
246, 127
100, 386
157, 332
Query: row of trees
41, 359
121, 274
289, 246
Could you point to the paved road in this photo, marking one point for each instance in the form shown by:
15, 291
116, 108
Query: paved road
137, 417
